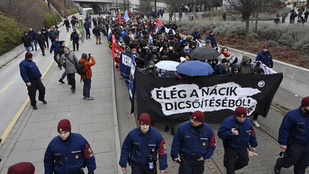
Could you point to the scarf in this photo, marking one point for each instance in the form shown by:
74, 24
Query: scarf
225, 54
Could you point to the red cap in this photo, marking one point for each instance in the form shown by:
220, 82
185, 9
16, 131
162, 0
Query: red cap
28, 55
210, 31
241, 112
265, 46
195, 28
56, 37
64, 125
305, 102
198, 116
22, 168
144, 118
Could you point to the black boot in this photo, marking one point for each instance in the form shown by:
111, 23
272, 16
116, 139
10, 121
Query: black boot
277, 169
61, 80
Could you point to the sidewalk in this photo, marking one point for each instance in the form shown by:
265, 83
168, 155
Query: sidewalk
96, 120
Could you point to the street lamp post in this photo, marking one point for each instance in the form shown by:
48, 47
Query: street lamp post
155, 8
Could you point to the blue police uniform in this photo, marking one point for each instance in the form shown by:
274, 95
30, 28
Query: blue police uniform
75, 39
55, 45
294, 133
235, 146
196, 35
266, 58
138, 147
192, 144
69, 156
30, 72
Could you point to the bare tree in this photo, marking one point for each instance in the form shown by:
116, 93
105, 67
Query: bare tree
174, 5
146, 6
126, 4
247, 8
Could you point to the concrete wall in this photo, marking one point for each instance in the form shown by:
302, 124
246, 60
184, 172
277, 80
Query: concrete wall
295, 79
7, 57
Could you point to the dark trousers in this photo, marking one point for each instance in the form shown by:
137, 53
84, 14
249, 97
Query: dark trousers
191, 166
55, 58
255, 116
42, 48
75, 43
297, 155
47, 44
87, 86
137, 169
87, 34
72, 80
36, 85
235, 159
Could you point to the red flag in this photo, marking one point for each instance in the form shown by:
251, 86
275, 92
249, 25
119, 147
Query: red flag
116, 50
159, 25
148, 25
119, 20
130, 12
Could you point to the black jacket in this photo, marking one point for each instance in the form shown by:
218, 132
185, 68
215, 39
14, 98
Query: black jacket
40, 39
26, 40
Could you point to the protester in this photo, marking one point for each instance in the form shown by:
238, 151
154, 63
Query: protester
88, 62
97, 33
195, 142
141, 148
33, 35
31, 75
75, 39
69, 60
293, 138
196, 34
55, 47
26, 40
212, 39
237, 132
265, 57
44, 31
245, 65
22, 168
60, 53
40, 39
69, 152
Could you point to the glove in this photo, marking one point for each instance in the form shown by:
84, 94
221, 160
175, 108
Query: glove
270, 66
91, 172
258, 64
235, 61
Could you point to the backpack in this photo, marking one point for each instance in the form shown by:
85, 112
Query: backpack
80, 68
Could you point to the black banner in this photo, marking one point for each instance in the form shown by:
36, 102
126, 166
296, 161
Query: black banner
173, 100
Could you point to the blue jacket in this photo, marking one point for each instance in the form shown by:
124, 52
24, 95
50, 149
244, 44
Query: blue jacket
74, 36
52, 34
265, 57
32, 34
69, 156
29, 70
196, 35
193, 143
55, 46
212, 39
246, 134
138, 146
294, 127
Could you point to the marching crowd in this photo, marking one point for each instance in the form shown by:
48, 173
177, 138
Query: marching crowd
194, 140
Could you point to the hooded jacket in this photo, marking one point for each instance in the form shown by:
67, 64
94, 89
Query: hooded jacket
245, 68
87, 66
70, 62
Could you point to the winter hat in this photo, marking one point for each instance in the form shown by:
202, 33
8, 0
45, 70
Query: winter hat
56, 37
186, 47
84, 56
259, 71
144, 118
28, 55
134, 49
265, 46
305, 102
241, 112
210, 31
224, 60
22, 168
64, 125
198, 116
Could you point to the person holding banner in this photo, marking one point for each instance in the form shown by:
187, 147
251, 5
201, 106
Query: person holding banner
237, 133
141, 148
195, 142
293, 138
265, 57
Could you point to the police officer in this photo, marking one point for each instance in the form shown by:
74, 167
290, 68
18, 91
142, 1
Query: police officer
237, 132
140, 149
68, 153
31, 75
195, 142
294, 139
75, 39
